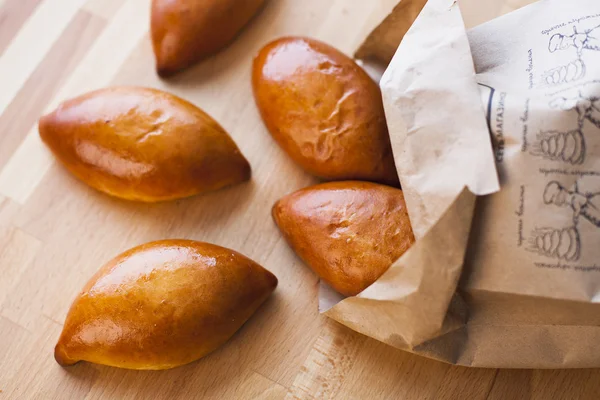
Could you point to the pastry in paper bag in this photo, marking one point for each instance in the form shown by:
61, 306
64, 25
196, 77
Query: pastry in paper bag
494, 116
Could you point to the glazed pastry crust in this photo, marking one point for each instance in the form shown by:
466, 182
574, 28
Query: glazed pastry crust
161, 305
324, 111
142, 144
187, 31
348, 233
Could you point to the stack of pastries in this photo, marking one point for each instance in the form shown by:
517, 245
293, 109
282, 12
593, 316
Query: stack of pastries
171, 302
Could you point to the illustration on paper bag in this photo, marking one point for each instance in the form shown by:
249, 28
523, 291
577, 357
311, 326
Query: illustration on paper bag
565, 243
569, 146
577, 42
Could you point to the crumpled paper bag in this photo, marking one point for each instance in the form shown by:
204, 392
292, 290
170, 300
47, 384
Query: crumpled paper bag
494, 118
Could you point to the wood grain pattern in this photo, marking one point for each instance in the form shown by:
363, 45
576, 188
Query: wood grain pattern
31, 100
103, 8
55, 232
32, 42
329, 361
13, 13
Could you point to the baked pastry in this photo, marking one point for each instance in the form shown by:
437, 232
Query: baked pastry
323, 110
161, 305
142, 144
349, 233
187, 31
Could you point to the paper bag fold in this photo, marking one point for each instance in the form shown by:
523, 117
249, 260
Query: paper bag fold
409, 304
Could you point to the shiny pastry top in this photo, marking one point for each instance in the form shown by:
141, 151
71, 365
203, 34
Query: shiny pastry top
323, 110
142, 144
161, 305
187, 31
349, 233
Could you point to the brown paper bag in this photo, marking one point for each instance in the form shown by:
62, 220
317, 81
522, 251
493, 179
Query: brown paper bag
508, 110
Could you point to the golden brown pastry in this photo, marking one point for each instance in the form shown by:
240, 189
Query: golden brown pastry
161, 305
142, 144
349, 233
323, 110
187, 31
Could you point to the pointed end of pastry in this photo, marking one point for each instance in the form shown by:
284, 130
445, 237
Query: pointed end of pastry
276, 212
169, 61
44, 126
246, 169
164, 71
271, 280
283, 212
61, 357
239, 170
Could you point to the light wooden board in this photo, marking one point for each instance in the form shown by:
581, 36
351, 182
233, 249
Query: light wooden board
55, 232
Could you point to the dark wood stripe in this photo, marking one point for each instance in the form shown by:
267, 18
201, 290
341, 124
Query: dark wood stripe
64, 56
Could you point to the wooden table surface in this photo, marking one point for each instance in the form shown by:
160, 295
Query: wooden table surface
55, 232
